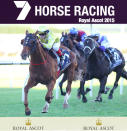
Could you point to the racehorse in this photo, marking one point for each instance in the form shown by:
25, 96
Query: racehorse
67, 40
43, 69
98, 66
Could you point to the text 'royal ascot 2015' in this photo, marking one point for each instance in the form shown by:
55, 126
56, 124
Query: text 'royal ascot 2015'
95, 20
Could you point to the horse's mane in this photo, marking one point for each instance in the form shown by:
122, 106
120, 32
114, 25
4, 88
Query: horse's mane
41, 50
71, 42
101, 56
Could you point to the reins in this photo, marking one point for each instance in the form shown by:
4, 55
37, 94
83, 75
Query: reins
44, 60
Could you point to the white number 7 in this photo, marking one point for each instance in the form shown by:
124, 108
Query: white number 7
25, 9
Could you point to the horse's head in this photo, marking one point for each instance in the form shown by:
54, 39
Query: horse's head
29, 44
89, 46
66, 40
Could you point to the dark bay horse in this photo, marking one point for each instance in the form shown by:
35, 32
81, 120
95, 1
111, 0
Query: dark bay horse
43, 69
98, 66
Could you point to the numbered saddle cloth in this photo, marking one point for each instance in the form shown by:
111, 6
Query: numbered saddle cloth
117, 60
116, 55
65, 61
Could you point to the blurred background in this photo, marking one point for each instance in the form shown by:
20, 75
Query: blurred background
10, 47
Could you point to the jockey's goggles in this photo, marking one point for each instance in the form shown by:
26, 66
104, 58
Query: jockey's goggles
44, 33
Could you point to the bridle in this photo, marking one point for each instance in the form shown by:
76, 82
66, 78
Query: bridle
91, 49
32, 46
28, 44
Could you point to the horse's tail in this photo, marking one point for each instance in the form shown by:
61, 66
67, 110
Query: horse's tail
124, 74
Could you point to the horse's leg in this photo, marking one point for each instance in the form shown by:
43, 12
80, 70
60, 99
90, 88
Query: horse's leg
115, 85
61, 84
79, 91
68, 91
48, 96
82, 83
29, 85
102, 88
70, 76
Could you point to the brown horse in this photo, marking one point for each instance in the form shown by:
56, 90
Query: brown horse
68, 41
43, 69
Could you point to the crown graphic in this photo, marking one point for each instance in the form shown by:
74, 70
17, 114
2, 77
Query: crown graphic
28, 122
98, 122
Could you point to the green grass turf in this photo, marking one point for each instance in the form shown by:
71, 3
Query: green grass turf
11, 105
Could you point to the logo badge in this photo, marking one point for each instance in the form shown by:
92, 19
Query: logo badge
28, 122
98, 122
25, 9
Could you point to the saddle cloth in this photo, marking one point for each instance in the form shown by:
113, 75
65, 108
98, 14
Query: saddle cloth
117, 60
65, 60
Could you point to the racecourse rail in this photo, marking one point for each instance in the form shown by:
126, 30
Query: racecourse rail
57, 82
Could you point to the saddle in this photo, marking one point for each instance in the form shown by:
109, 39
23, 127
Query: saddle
64, 61
113, 56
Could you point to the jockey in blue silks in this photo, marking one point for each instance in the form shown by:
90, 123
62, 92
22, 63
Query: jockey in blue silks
105, 45
81, 35
103, 42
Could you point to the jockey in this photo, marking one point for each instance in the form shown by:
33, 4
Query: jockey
102, 41
104, 45
80, 35
49, 42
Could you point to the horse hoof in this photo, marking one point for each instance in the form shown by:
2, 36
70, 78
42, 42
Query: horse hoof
63, 93
106, 90
98, 100
27, 113
84, 100
110, 97
44, 112
65, 106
